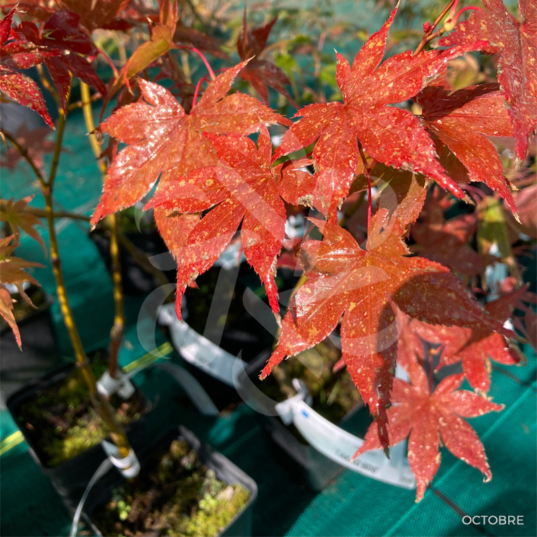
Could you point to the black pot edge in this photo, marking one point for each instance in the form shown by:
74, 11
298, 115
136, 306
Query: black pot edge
219, 462
227, 395
131, 286
16, 399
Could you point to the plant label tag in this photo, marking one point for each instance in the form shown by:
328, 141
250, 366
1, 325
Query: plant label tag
339, 446
121, 385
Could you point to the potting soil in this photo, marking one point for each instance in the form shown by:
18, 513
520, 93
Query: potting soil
175, 494
61, 421
457, 503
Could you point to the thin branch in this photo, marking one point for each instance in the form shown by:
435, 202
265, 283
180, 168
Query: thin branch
196, 92
60, 131
25, 155
42, 213
202, 56
79, 104
140, 258
118, 328
430, 36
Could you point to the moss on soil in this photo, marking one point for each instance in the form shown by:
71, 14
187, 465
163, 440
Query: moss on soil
176, 495
62, 421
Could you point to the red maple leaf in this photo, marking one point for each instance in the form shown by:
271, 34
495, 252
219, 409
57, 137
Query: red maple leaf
162, 140
246, 191
63, 34
474, 348
401, 192
517, 45
20, 55
425, 418
446, 241
462, 121
344, 280
261, 73
205, 43
96, 14
389, 134
12, 272
30, 10
15, 213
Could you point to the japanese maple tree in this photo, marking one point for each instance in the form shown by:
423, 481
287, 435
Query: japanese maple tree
410, 204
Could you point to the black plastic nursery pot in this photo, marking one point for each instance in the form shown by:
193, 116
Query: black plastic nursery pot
225, 470
241, 336
135, 280
307, 465
71, 477
39, 352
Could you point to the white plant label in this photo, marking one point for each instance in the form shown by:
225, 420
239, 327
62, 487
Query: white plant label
339, 446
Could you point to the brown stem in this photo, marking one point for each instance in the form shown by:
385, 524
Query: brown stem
24, 154
430, 36
118, 328
60, 130
80, 104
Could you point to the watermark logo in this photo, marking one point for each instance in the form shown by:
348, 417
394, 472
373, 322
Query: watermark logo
494, 520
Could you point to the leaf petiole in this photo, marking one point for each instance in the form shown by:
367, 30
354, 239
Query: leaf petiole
369, 193
196, 92
202, 56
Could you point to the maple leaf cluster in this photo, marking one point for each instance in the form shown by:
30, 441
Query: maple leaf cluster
399, 151
12, 273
